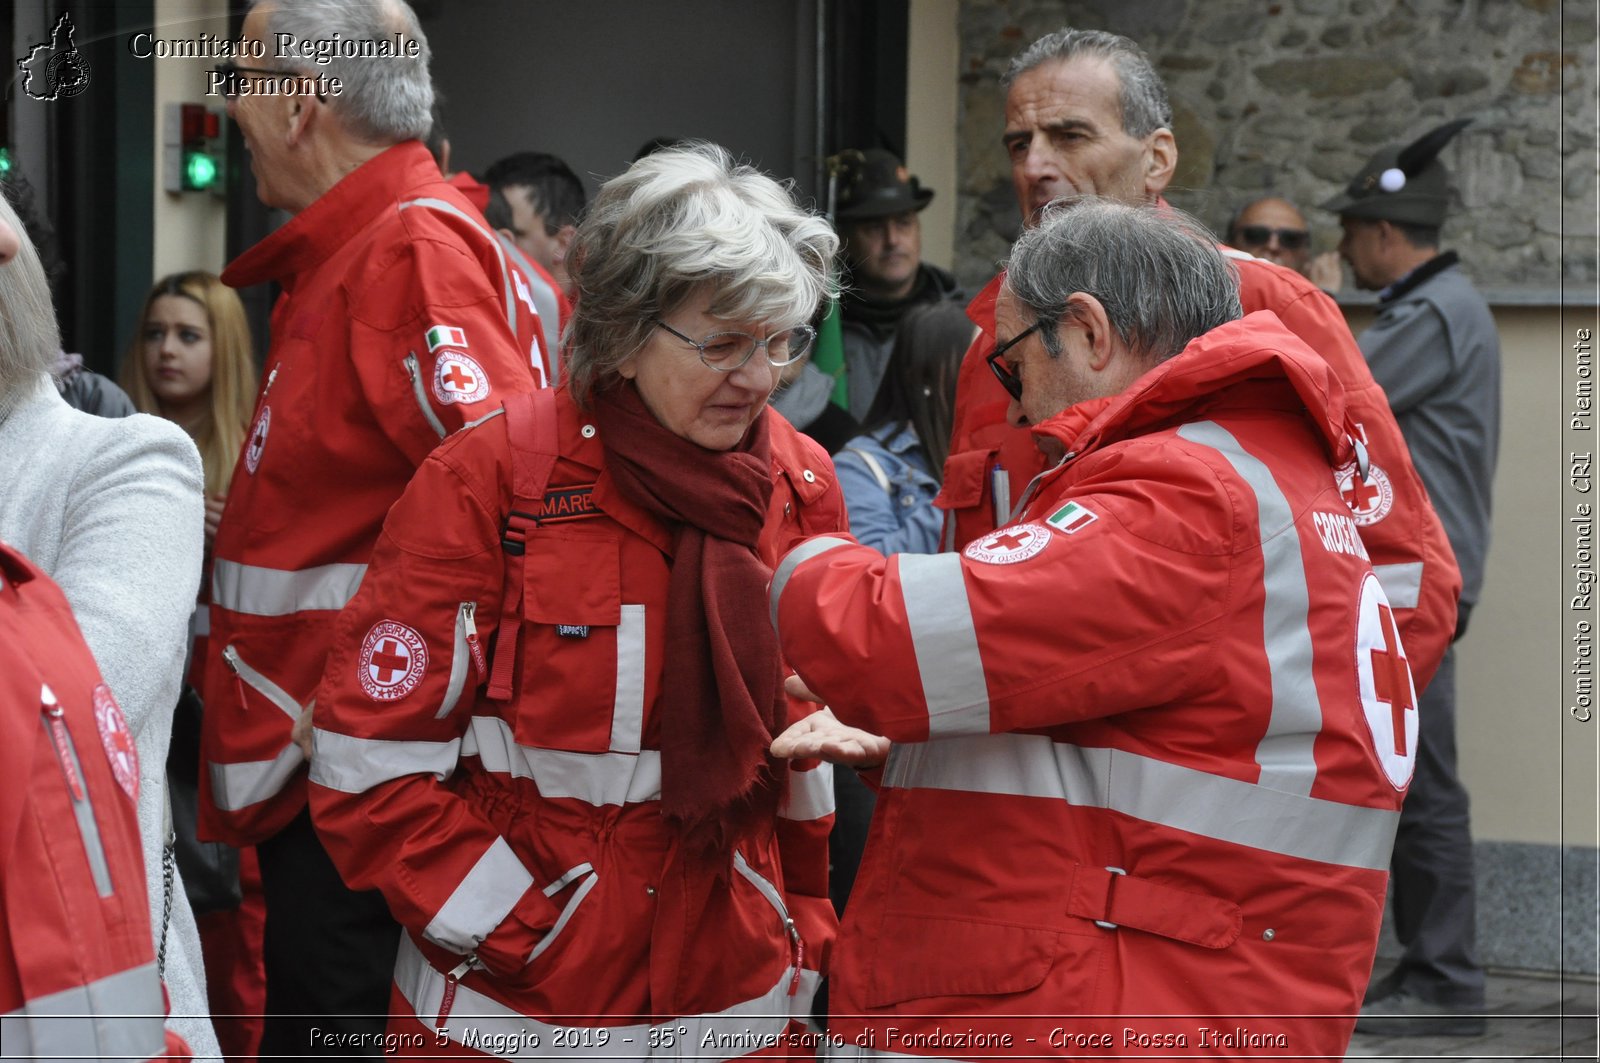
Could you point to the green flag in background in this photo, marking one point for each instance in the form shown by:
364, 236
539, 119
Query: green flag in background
829, 355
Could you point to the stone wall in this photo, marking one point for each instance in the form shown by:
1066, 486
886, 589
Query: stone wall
1290, 98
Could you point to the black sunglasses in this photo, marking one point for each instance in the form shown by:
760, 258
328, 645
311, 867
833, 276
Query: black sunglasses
1261, 235
1002, 372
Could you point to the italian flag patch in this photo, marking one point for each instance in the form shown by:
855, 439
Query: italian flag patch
1072, 517
446, 336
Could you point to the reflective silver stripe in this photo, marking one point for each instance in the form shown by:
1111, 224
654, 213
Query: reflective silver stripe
946, 643
477, 905
571, 906
237, 786
505, 270
627, 711
740, 1027
83, 811
355, 765
419, 392
1286, 752
544, 301
256, 591
810, 794
1171, 795
1402, 584
261, 684
593, 778
460, 662
765, 888
119, 1016
794, 559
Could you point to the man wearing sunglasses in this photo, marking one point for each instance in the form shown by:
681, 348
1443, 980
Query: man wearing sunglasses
1087, 114
1151, 737
1272, 229
401, 319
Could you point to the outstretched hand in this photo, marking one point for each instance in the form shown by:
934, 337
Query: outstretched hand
821, 736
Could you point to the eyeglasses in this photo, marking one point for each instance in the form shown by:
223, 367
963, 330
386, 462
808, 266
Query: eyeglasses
727, 351
1261, 235
231, 71
1009, 380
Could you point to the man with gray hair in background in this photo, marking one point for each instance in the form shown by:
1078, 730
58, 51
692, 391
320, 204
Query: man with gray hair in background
1148, 745
1087, 114
400, 321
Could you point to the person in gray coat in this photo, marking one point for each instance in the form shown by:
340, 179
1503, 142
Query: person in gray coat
1435, 350
111, 509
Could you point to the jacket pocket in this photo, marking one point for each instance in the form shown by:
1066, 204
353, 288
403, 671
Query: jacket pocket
419, 391
580, 660
466, 659
584, 879
936, 956
66, 750
248, 678
797, 946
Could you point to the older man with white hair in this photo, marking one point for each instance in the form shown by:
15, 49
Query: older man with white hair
401, 320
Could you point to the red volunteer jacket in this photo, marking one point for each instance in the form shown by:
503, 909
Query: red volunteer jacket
1151, 739
77, 977
399, 322
520, 842
1409, 549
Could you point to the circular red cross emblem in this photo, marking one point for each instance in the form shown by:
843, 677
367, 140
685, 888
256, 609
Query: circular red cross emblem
1009, 545
1369, 500
393, 659
258, 440
117, 740
457, 377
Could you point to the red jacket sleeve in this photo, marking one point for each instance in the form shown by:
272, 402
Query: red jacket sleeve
390, 716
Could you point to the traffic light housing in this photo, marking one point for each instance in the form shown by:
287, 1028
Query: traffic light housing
195, 153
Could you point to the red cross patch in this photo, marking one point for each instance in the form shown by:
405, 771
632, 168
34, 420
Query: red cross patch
1009, 545
117, 740
393, 660
258, 440
1369, 500
1388, 695
457, 377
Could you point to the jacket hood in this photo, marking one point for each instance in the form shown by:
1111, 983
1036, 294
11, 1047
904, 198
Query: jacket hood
1253, 359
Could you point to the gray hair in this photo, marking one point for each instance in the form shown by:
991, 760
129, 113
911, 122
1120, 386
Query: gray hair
29, 336
1156, 270
676, 223
385, 99
1145, 107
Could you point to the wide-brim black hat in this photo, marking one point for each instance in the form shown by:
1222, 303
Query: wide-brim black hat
1402, 184
874, 184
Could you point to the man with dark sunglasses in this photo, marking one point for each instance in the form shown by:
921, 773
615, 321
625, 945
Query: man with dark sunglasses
1272, 229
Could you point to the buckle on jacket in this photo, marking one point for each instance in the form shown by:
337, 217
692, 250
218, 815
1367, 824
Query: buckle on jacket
1102, 922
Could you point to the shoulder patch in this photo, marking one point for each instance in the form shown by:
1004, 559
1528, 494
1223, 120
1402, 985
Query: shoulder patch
445, 336
1369, 500
393, 660
117, 741
1072, 518
457, 377
1009, 545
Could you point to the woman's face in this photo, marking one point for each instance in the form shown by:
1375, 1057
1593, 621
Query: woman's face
692, 400
177, 352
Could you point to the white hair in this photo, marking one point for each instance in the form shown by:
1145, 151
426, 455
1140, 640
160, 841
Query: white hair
29, 336
685, 220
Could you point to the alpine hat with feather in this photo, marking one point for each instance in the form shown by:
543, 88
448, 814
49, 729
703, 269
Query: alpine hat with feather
1402, 184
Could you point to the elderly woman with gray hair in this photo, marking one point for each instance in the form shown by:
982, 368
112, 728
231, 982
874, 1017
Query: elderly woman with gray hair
111, 509
543, 732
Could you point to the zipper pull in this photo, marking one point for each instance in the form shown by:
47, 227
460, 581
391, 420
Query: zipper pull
53, 714
798, 947
469, 611
230, 657
450, 981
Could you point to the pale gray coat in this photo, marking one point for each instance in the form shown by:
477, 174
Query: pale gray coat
113, 511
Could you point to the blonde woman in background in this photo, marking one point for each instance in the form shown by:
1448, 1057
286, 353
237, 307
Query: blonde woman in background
190, 362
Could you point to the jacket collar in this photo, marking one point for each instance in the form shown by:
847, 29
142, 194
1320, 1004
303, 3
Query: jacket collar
316, 233
1254, 361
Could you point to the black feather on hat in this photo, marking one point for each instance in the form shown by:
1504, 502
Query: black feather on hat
1408, 185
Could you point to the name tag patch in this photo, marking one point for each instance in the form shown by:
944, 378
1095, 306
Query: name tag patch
562, 504
573, 631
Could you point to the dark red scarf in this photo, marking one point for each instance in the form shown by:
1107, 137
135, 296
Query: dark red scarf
721, 686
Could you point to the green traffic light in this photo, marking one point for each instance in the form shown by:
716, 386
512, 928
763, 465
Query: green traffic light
5, 163
200, 171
